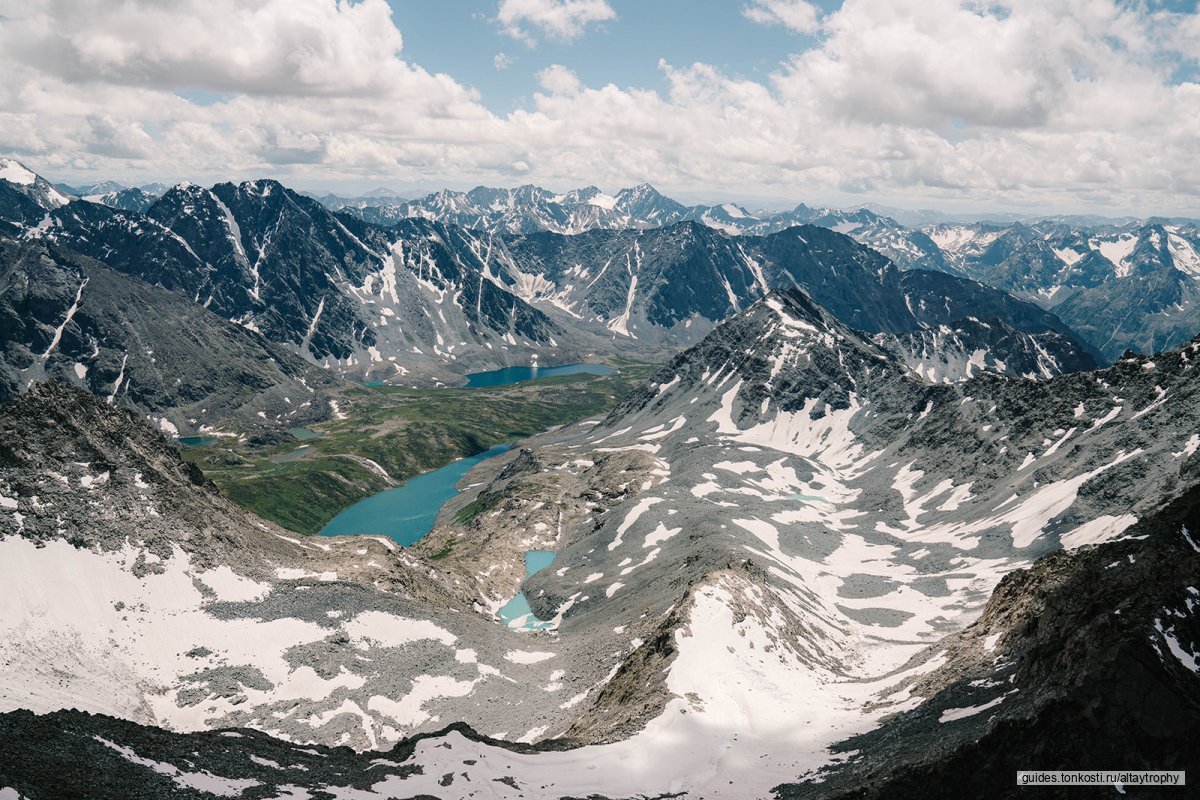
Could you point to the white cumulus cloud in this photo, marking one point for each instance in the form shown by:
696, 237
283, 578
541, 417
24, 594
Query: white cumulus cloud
795, 15
560, 19
1056, 104
557, 79
299, 47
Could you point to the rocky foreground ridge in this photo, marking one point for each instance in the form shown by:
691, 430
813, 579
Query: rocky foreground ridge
1080, 645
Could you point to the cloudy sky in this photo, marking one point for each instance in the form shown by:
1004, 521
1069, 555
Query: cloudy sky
1046, 105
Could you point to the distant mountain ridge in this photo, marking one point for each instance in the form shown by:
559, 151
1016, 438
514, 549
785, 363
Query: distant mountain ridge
1122, 283
1133, 286
428, 300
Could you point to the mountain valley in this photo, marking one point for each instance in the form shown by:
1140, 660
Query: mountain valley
784, 520
599, 400
845, 519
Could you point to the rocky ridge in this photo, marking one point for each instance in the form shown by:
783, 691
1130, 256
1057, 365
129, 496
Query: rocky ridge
1067, 653
67, 318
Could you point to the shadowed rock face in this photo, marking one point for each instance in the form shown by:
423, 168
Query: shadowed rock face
267, 256
26, 197
95, 474
68, 318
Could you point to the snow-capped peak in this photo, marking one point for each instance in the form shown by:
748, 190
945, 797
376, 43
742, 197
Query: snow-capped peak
16, 172
32, 185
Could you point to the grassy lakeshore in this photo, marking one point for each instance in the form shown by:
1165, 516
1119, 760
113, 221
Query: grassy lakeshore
404, 432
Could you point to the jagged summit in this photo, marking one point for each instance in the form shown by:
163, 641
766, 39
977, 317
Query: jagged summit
786, 356
71, 319
23, 193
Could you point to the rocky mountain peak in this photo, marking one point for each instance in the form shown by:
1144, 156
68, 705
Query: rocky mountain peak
15, 172
24, 181
645, 201
640, 191
800, 315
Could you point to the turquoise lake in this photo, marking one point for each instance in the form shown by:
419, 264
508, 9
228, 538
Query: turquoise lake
407, 512
197, 441
812, 497
503, 377
516, 613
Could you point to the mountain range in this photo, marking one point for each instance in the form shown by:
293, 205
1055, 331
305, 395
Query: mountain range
783, 566
428, 301
1122, 284
1118, 284
895, 508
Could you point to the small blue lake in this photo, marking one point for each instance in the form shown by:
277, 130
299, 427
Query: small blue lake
516, 613
409, 511
503, 377
197, 441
